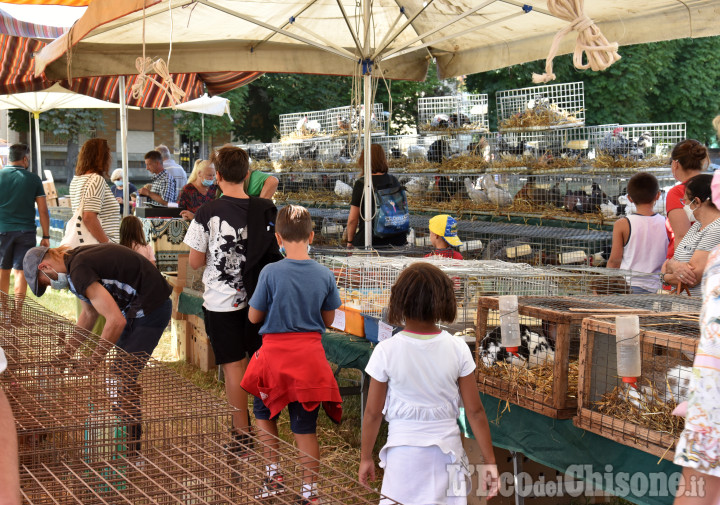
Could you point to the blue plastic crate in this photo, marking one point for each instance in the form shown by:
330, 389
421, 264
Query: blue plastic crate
371, 327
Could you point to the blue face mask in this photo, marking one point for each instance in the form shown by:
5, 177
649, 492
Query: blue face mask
119, 183
208, 183
61, 282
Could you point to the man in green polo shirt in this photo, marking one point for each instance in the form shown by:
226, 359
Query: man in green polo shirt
20, 190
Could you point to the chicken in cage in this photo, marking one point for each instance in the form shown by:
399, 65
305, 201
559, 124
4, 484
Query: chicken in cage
630, 385
301, 125
541, 107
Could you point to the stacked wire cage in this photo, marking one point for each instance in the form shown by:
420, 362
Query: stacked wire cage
641, 416
635, 145
541, 107
301, 125
614, 281
97, 435
315, 189
459, 113
543, 375
349, 120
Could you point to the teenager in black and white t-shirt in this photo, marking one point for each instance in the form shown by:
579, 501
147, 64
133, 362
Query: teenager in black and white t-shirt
234, 238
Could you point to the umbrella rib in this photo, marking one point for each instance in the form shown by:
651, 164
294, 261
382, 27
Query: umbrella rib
347, 22
405, 50
520, 3
388, 39
306, 7
267, 26
436, 29
322, 39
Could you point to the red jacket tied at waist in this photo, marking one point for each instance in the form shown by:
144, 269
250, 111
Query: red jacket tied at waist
292, 367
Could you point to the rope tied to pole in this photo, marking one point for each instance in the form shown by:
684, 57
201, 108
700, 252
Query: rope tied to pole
145, 65
590, 40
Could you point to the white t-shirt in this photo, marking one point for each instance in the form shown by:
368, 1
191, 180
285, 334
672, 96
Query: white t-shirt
423, 398
3, 361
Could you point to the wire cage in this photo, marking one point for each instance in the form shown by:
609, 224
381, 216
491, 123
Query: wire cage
614, 281
315, 189
207, 469
302, 125
653, 303
541, 107
543, 376
464, 112
638, 417
635, 145
349, 120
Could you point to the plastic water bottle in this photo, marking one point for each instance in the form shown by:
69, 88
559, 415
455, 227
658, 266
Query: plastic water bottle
629, 362
509, 323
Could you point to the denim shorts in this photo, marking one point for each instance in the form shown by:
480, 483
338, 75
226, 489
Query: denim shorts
13, 246
302, 422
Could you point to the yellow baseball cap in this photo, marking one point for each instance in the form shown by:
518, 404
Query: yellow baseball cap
445, 226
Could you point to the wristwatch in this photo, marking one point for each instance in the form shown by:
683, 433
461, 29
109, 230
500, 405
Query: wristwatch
46, 237
662, 277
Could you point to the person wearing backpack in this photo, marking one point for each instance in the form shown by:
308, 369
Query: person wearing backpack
392, 222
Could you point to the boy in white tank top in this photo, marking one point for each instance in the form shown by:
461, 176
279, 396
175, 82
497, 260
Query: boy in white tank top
640, 240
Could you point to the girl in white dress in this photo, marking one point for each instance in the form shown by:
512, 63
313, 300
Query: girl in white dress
419, 379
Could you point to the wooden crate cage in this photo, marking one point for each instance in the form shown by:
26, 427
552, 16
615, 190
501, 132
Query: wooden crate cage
545, 382
639, 418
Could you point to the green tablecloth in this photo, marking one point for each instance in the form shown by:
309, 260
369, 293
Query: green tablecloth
560, 445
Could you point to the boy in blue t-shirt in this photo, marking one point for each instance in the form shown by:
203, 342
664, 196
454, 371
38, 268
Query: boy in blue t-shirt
296, 298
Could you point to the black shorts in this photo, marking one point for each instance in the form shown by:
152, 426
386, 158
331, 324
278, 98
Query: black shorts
231, 336
13, 246
302, 422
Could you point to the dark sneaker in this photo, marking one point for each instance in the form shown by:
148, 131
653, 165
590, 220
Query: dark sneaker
271, 486
241, 446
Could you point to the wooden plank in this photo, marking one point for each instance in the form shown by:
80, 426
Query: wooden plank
587, 341
560, 367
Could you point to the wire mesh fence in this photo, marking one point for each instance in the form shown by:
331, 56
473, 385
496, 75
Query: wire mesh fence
638, 417
211, 468
299, 125
459, 113
543, 375
541, 107
350, 120
629, 144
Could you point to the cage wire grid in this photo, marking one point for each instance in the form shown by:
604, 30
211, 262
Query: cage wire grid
464, 112
544, 377
641, 417
201, 469
541, 106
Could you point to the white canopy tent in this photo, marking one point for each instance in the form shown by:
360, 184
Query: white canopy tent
55, 97
215, 106
372, 38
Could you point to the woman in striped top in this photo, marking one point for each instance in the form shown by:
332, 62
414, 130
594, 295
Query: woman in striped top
101, 211
691, 254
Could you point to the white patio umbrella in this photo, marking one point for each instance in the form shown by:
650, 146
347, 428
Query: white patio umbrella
213, 105
55, 97
372, 38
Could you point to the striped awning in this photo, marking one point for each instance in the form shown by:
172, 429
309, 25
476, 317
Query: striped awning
11, 26
17, 76
68, 3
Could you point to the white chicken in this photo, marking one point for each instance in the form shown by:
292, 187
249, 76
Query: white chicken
658, 207
476, 195
343, 190
608, 209
417, 186
495, 194
417, 153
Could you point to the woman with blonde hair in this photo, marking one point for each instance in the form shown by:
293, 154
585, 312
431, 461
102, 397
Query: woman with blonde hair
200, 189
101, 210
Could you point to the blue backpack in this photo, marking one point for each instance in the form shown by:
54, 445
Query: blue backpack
392, 216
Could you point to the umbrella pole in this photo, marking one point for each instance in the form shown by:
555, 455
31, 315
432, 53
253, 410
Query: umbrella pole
367, 84
123, 143
37, 144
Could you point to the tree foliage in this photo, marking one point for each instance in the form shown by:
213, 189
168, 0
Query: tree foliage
670, 81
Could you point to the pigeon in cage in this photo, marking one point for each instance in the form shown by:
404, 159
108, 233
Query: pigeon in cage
395, 153
531, 192
308, 151
439, 151
608, 209
417, 186
475, 194
301, 124
416, 153
617, 145
497, 195
457, 120
343, 123
535, 349
440, 121
504, 147
258, 153
343, 190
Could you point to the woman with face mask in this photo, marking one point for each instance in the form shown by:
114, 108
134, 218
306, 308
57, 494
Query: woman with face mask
201, 188
117, 187
691, 254
688, 159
